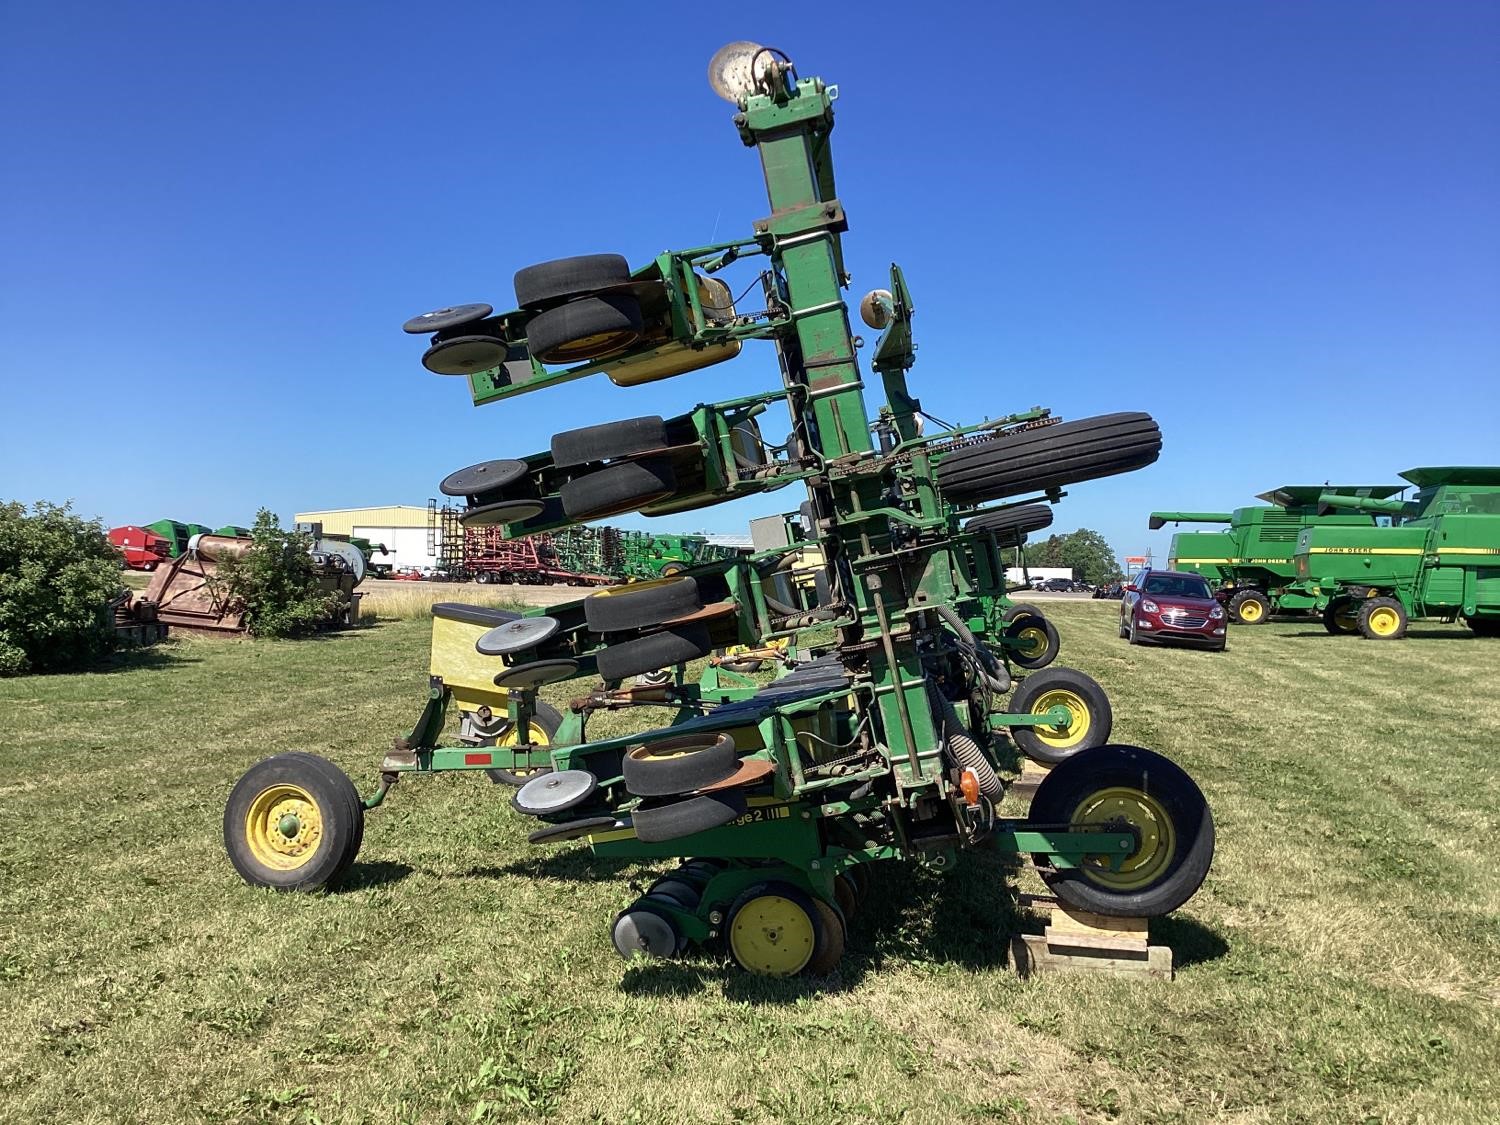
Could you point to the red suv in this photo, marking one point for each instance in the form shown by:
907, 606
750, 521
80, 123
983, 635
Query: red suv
1170, 605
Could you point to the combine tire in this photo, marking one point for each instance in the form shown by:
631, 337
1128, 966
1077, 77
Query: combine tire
618, 488
587, 329
653, 651
1382, 619
293, 822
1155, 796
637, 605
608, 441
1341, 617
544, 725
1087, 706
1250, 607
550, 283
1032, 640
1050, 457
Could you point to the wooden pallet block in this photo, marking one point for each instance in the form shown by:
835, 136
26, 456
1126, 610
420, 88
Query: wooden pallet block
1077, 940
1024, 787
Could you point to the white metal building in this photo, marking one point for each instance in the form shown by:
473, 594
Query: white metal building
403, 528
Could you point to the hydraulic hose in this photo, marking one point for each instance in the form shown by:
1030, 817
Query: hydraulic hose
965, 753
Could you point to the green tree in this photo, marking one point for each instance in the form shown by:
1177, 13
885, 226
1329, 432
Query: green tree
276, 582
1085, 551
58, 576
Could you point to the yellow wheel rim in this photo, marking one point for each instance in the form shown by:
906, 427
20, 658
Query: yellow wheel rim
1146, 814
1250, 611
1031, 641
633, 587
1079, 718
588, 347
772, 935
284, 827
1384, 621
538, 737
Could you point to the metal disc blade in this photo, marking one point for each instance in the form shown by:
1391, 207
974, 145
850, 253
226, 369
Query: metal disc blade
517, 636
483, 477
555, 792
505, 511
642, 933
451, 317
524, 677
465, 355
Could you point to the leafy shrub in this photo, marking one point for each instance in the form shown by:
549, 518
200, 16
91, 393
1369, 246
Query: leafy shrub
58, 575
277, 583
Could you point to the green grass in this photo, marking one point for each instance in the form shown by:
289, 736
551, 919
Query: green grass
1340, 964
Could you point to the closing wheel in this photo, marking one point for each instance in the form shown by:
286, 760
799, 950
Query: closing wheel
1382, 619
636, 605
586, 329
832, 935
293, 822
774, 930
621, 487
845, 895
1125, 785
541, 731
1031, 640
1250, 607
1341, 616
1090, 715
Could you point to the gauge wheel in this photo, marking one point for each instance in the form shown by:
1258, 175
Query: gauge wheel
1250, 607
1031, 640
293, 822
544, 725
1087, 705
1112, 784
832, 937
774, 930
605, 442
672, 766
665, 649
1382, 619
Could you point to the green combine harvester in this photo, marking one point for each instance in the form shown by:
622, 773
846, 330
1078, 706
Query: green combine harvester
915, 680
1252, 562
1440, 557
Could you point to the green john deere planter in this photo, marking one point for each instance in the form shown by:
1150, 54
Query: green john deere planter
1440, 558
909, 688
1252, 561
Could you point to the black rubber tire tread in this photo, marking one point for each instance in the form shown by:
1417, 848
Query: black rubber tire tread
1052, 456
1022, 622
1369, 607
1015, 610
833, 935
553, 336
1331, 619
339, 803
655, 650
683, 773
1013, 521
1101, 714
656, 821
1102, 767
618, 488
962, 751
640, 604
604, 442
1484, 626
565, 278
1243, 596
548, 719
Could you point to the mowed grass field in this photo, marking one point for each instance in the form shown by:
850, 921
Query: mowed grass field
1341, 964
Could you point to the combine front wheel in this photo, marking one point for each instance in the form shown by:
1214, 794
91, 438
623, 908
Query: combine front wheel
1250, 607
1382, 619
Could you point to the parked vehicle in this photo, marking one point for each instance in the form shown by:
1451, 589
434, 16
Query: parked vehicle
1163, 605
408, 574
142, 548
1113, 590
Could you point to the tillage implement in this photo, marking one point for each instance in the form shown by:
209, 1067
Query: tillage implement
909, 678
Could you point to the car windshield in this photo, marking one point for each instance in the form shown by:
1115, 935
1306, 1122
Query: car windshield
1173, 586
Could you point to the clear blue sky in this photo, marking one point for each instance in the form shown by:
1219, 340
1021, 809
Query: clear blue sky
1274, 226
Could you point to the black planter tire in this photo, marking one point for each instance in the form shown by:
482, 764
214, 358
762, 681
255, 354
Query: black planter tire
1036, 643
1149, 791
1050, 457
586, 329
299, 787
1258, 611
549, 283
654, 650
605, 442
672, 766
1011, 525
1015, 610
833, 934
1061, 687
623, 487
656, 821
546, 719
637, 605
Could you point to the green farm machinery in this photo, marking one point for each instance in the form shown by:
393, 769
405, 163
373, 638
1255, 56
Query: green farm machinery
645, 554
913, 677
1252, 562
1440, 557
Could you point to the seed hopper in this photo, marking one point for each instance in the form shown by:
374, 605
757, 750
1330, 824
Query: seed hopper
906, 670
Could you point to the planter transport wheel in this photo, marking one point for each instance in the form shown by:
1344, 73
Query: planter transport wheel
1250, 607
679, 765
641, 932
1107, 785
571, 830
636, 605
536, 673
672, 646
1050, 457
656, 821
774, 930
548, 283
1033, 641
1382, 619
587, 329
832, 935
451, 317
293, 822
520, 635
1011, 525
487, 476
1087, 705
554, 793
541, 730
606, 442
506, 511
465, 355
621, 487
1015, 609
